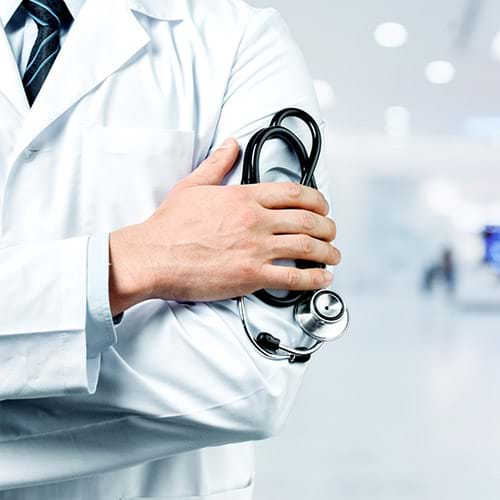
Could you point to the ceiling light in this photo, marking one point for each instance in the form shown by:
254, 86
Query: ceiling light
440, 72
442, 197
391, 35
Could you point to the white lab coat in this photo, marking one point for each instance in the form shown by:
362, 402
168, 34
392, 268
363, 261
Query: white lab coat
140, 93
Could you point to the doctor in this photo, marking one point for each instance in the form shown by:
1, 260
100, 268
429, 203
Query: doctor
139, 381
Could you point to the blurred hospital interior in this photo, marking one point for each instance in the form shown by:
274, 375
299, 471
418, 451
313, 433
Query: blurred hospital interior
407, 405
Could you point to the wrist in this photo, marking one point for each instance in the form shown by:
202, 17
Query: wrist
130, 280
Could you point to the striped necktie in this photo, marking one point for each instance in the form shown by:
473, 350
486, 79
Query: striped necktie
49, 16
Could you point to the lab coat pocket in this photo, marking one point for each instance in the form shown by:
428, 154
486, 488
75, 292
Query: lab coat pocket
127, 172
236, 494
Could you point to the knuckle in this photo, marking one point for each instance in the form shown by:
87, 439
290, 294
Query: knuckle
238, 191
292, 277
293, 190
215, 157
246, 192
240, 194
248, 270
306, 245
250, 218
317, 279
308, 221
272, 247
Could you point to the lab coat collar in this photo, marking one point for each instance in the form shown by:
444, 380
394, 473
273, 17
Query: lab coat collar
7, 9
104, 36
11, 82
166, 10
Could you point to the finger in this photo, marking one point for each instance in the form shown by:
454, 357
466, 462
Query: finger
302, 247
213, 170
289, 195
291, 278
293, 221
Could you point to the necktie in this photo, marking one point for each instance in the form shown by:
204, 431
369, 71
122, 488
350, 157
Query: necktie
49, 16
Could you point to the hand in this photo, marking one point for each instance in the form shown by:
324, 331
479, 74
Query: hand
208, 242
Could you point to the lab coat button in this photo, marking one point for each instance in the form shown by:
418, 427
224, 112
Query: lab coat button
29, 154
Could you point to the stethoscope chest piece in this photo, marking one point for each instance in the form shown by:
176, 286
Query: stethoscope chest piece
322, 315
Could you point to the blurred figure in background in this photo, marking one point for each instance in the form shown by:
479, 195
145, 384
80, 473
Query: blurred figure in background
442, 271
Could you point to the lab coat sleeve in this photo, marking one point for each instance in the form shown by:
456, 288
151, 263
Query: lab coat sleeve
182, 376
43, 331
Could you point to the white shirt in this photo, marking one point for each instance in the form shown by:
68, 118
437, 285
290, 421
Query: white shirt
22, 30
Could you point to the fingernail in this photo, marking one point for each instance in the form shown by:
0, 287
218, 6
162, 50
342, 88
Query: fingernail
226, 144
328, 276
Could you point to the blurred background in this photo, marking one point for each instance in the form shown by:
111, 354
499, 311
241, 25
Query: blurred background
407, 406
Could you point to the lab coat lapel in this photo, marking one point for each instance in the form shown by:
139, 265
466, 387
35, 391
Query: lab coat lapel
104, 36
11, 84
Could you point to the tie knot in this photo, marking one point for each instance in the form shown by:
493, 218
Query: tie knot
52, 13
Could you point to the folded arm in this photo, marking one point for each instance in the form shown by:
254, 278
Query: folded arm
51, 333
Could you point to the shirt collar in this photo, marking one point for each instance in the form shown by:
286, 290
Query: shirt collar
9, 7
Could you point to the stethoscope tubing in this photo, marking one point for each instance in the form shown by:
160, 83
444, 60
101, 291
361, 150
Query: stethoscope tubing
308, 163
292, 353
267, 345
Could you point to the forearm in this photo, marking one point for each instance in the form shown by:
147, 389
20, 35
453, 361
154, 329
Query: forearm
181, 377
109, 442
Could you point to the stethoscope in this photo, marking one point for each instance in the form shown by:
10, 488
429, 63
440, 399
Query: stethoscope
322, 314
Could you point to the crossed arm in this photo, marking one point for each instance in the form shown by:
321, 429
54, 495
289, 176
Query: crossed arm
181, 376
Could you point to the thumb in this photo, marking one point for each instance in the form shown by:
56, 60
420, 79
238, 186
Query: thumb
213, 170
